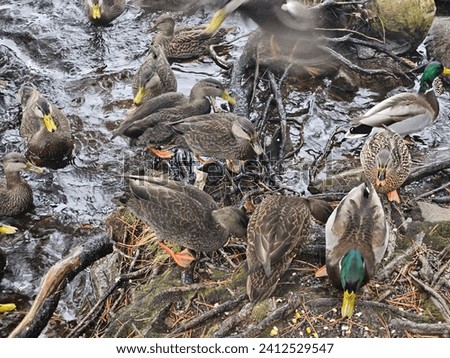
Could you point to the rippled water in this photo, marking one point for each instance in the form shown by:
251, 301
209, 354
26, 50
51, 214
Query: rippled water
87, 72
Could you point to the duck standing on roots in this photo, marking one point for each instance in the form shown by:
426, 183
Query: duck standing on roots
277, 229
154, 77
356, 235
386, 162
16, 195
218, 135
183, 214
151, 122
102, 12
186, 42
405, 113
45, 127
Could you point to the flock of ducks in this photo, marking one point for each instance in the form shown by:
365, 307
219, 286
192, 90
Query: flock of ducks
357, 230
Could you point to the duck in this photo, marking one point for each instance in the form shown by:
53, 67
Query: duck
7, 229
181, 213
222, 135
151, 121
279, 17
45, 127
15, 193
286, 35
356, 238
405, 113
102, 12
184, 43
386, 162
277, 229
153, 77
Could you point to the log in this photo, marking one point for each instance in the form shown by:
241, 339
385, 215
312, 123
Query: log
55, 280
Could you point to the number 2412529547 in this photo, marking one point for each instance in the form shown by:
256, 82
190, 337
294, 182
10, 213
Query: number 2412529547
298, 348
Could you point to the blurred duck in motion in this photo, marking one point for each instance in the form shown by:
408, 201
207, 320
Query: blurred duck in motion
102, 12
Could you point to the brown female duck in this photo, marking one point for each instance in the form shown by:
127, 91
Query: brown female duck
154, 77
219, 135
183, 214
44, 126
277, 229
151, 122
386, 161
102, 12
186, 42
15, 193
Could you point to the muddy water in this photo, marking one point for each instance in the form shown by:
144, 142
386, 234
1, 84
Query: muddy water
87, 72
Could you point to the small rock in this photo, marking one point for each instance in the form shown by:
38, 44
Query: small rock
433, 213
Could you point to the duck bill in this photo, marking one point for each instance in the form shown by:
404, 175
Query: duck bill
348, 304
6, 307
49, 123
139, 95
379, 183
221, 14
32, 168
226, 96
381, 178
446, 71
7, 229
217, 20
96, 12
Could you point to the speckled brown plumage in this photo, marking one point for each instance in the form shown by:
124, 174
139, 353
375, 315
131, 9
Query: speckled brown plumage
386, 161
186, 42
154, 75
183, 214
15, 193
277, 229
47, 145
152, 120
219, 135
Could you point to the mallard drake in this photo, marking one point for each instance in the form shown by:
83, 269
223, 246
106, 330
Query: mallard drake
7, 229
356, 236
15, 192
186, 42
44, 126
102, 12
183, 214
386, 161
276, 230
218, 135
152, 119
154, 77
404, 113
